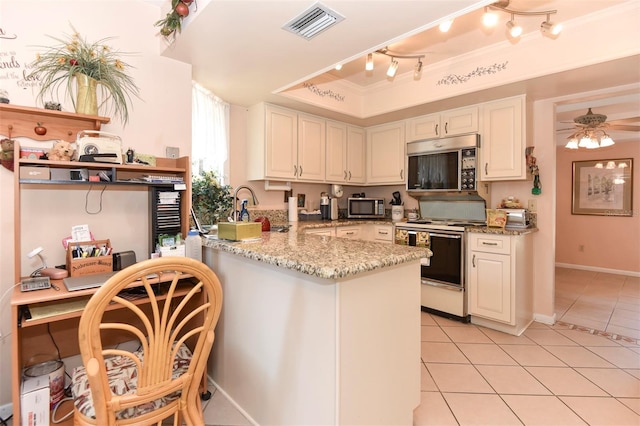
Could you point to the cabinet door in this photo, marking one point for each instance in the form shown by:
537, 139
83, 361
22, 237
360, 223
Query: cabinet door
311, 148
385, 154
351, 232
281, 149
502, 151
490, 286
356, 170
336, 157
327, 232
424, 127
460, 121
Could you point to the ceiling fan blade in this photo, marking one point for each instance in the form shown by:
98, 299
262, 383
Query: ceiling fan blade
625, 127
625, 120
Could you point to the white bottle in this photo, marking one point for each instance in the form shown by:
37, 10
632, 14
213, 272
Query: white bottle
193, 245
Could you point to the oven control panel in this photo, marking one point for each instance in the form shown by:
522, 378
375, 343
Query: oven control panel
468, 169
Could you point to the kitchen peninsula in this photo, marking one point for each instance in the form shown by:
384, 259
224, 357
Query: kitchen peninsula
318, 330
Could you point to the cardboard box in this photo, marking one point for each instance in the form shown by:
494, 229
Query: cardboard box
34, 401
239, 231
36, 173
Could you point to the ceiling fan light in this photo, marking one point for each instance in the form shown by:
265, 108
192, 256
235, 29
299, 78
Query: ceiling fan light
585, 141
369, 65
611, 165
514, 29
593, 144
393, 68
598, 166
489, 18
572, 144
445, 25
622, 165
606, 141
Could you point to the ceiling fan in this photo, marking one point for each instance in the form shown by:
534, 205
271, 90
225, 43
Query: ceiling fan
590, 130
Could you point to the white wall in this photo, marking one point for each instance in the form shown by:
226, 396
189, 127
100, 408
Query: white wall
161, 118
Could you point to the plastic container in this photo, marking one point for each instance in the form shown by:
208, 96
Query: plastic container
193, 245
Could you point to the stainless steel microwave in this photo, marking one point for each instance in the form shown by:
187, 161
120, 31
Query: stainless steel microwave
365, 208
439, 165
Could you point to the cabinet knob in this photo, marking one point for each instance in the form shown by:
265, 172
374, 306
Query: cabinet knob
300, 175
437, 130
473, 261
486, 165
349, 174
345, 175
446, 128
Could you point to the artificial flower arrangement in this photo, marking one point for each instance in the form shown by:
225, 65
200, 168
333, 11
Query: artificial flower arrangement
172, 23
76, 58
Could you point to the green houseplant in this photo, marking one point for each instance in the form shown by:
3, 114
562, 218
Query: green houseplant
91, 65
211, 201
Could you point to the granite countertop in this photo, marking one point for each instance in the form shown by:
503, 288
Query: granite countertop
320, 256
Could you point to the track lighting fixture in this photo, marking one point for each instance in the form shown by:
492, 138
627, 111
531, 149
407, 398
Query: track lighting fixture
369, 64
393, 67
338, 67
547, 28
445, 25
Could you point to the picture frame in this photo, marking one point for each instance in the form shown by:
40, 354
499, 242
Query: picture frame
602, 187
301, 200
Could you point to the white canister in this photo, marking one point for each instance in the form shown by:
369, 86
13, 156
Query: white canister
293, 209
397, 213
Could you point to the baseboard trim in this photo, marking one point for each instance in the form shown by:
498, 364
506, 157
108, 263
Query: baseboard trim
598, 269
235, 404
545, 319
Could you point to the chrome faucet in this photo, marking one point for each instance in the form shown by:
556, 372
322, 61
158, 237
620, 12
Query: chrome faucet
235, 200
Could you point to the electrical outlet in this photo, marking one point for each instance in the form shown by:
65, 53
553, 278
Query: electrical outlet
6, 411
533, 205
173, 152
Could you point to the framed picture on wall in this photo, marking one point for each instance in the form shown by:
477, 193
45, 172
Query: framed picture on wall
603, 187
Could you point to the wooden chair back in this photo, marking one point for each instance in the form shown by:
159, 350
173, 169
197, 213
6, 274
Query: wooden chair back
182, 310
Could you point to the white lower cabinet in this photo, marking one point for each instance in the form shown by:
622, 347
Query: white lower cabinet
351, 232
327, 232
500, 281
382, 233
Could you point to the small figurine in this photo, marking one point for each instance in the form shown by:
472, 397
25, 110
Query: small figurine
130, 154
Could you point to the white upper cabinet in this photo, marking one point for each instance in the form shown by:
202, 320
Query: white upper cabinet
283, 144
386, 154
345, 153
503, 142
447, 123
311, 148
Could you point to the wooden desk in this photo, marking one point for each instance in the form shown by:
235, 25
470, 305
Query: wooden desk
53, 328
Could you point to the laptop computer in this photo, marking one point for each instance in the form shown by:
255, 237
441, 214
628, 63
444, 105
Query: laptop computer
87, 281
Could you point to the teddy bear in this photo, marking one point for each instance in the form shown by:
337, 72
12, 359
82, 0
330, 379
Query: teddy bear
7, 149
61, 151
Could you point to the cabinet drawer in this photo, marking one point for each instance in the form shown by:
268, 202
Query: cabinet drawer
383, 233
352, 232
490, 243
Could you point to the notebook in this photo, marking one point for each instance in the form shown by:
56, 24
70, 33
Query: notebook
87, 281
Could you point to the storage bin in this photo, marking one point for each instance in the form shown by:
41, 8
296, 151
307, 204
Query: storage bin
89, 265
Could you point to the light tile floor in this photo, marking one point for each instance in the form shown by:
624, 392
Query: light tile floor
608, 303
551, 375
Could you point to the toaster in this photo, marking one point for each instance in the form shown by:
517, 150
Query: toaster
518, 218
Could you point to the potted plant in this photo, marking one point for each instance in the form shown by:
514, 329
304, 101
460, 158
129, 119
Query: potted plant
91, 65
211, 201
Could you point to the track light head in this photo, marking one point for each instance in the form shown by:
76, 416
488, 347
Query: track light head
338, 67
550, 29
514, 29
445, 25
393, 68
369, 64
417, 73
490, 18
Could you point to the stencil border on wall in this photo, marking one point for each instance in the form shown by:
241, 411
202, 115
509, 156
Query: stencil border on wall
478, 72
590, 196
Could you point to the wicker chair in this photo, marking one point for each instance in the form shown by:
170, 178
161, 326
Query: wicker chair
171, 323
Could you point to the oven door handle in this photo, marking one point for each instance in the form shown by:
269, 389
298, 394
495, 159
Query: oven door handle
441, 285
455, 237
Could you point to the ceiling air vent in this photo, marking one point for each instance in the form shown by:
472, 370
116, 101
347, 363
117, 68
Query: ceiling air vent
313, 21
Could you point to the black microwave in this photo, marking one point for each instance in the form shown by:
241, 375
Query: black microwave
365, 208
447, 164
